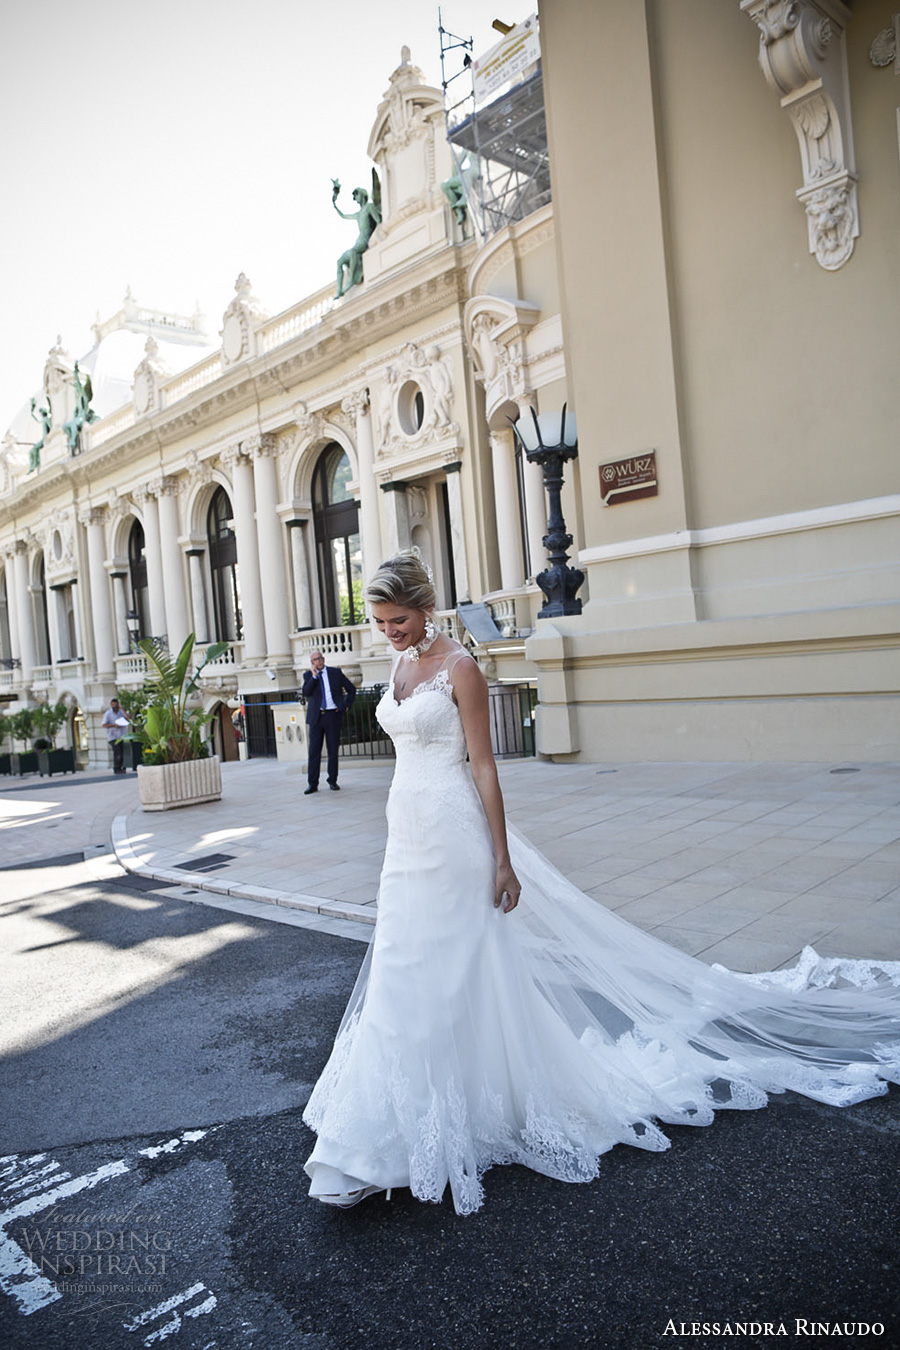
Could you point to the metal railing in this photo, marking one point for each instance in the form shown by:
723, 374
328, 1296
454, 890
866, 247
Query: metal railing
511, 708
362, 736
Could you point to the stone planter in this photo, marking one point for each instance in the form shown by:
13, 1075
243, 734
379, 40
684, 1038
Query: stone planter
56, 761
25, 761
162, 787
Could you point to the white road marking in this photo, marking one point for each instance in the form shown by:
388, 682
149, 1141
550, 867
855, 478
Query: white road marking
188, 1137
19, 1275
169, 1305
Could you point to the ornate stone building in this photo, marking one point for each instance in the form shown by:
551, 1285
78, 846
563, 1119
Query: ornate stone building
713, 286
247, 497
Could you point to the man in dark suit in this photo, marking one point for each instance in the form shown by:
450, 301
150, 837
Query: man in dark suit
328, 695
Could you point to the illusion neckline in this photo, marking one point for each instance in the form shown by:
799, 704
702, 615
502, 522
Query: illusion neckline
421, 687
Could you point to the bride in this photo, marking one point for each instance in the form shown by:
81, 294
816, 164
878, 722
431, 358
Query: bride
502, 1016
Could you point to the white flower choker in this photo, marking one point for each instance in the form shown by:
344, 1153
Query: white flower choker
432, 633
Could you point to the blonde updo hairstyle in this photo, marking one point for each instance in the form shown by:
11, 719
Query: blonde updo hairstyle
402, 580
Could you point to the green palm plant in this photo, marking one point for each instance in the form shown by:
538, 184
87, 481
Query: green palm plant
171, 731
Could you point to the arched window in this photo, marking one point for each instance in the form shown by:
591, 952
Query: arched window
338, 550
137, 572
223, 568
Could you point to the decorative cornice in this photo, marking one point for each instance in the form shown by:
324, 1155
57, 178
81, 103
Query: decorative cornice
803, 57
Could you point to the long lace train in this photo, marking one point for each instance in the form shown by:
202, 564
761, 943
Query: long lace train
547, 1036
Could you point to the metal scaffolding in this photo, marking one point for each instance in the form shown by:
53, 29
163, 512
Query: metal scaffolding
499, 148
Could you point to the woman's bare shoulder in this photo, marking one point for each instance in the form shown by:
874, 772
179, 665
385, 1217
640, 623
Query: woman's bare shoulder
465, 672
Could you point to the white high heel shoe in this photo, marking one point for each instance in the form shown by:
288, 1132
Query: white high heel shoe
337, 1188
347, 1199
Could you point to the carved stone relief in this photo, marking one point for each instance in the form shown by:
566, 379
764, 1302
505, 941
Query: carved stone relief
401, 421
803, 58
239, 323
496, 332
310, 424
409, 118
58, 542
199, 470
58, 370
883, 51
148, 376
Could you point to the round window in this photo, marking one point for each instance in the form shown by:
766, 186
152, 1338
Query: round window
411, 407
57, 545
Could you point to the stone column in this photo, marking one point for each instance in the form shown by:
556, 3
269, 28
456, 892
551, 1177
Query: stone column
506, 505
300, 568
370, 522
457, 532
120, 607
199, 608
153, 555
242, 503
535, 505
23, 612
396, 533
177, 626
93, 519
271, 551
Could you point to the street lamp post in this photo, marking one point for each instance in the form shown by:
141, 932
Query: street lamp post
133, 624
549, 440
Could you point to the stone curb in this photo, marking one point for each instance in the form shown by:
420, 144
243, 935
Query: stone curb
132, 861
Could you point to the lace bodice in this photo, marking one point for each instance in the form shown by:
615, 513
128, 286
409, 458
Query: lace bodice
425, 720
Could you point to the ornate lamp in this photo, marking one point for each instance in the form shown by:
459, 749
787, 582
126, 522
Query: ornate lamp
133, 624
549, 440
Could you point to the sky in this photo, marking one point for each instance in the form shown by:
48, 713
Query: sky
166, 147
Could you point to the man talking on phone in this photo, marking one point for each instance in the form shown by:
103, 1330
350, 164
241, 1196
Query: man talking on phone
328, 695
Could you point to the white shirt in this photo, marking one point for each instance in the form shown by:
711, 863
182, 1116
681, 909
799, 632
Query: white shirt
327, 700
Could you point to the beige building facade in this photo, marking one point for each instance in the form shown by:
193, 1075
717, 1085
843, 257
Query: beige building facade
713, 280
728, 231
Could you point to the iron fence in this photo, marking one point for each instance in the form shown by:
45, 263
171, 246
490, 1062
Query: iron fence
511, 708
362, 737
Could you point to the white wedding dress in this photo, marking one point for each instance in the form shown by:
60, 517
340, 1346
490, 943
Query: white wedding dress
548, 1035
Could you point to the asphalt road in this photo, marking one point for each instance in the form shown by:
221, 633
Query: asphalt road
156, 1058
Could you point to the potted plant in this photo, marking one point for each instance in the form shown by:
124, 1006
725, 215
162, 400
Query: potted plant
177, 769
21, 728
47, 719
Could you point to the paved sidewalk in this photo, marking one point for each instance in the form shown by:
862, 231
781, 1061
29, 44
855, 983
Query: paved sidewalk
742, 864
738, 863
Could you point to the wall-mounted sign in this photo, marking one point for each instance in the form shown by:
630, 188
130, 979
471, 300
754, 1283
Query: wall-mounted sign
627, 480
520, 48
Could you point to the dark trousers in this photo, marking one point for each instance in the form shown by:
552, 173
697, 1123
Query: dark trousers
118, 756
326, 728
